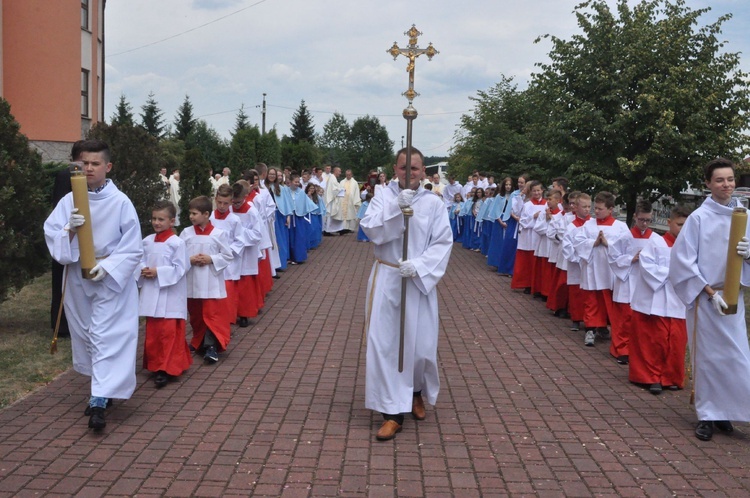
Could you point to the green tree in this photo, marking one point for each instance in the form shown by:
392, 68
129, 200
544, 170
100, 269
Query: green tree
194, 182
303, 129
214, 148
243, 150
152, 118
496, 135
335, 141
268, 148
369, 146
242, 122
136, 161
642, 98
23, 207
299, 156
123, 113
184, 121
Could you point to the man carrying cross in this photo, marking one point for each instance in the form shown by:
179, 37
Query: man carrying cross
430, 240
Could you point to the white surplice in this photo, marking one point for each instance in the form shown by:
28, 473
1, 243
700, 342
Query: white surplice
103, 316
232, 225
718, 344
430, 243
653, 293
621, 253
596, 273
207, 282
166, 295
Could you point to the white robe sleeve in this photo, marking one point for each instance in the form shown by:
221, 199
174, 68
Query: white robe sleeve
687, 280
653, 273
167, 276
583, 245
433, 261
222, 258
620, 255
383, 221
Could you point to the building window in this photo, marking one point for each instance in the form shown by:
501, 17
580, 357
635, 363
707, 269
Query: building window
84, 93
85, 14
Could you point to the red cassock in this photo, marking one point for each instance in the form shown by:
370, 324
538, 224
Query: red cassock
522, 269
537, 274
264, 274
621, 326
657, 350
247, 296
165, 347
209, 314
576, 303
597, 308
232, 299
558, 294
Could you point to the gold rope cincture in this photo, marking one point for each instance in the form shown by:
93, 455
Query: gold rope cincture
371, 293
53, 346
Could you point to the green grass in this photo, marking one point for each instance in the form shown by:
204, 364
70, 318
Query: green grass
25, 337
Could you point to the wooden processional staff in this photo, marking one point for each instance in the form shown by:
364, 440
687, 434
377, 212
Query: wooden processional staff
411, 51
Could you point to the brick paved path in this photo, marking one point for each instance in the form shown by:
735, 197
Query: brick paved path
524, 409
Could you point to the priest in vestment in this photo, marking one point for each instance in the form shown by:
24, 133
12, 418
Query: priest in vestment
718, 342
387, 390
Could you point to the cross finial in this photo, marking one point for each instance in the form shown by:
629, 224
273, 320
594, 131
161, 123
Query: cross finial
412, 51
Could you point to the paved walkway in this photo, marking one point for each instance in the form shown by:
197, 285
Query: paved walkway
524, 409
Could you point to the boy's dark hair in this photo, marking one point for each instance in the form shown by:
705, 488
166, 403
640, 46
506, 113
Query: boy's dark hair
428, 186
224, 190
679, 211
643, 206
95, 146
167, 206
75, 151
606, 198
554, 193
261, 168
574, 195
562, 181
719, 162
240, 189
533, 183
201, 204
250, 176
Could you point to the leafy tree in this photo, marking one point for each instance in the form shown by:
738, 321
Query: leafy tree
243, 150
184, 121
152, 118
299, 156
23, 207
268, 148
495, 136
303, 129
242, 122
172, 152
370, 146
642, 98
123, 113
193, 182
215, 150
335, 141
136, 161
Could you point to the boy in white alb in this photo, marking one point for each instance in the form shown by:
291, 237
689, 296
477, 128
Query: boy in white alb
102, 312
209, 252
249, 293
163, 297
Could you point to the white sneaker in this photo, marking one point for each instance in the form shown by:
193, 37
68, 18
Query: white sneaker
590, 338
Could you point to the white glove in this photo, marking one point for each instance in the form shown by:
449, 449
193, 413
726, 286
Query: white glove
98, 273
405, 198
75, 220
743, 248
718, 303
407, 268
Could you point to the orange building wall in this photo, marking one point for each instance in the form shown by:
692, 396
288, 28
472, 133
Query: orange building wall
42, 67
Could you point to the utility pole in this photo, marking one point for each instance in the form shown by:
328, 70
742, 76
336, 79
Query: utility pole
263, 114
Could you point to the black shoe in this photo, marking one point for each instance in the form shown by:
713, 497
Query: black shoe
211, 355
655, 389
87, 411
160, 379
623, 360
243, 322
603, 333
96, 421
724, 426
674, 388
527, 290
277, 277
705, 430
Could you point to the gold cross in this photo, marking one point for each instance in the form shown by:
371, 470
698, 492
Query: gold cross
412, 51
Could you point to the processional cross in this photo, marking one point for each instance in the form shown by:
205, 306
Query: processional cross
412, 51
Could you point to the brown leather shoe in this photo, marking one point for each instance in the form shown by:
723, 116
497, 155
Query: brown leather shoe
417, 408
388, 430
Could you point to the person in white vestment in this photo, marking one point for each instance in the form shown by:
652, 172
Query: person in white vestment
387, 390
102, 311
718, 342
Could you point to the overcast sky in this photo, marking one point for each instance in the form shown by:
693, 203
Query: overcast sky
332, 54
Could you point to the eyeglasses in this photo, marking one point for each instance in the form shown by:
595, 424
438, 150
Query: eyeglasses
644, 220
